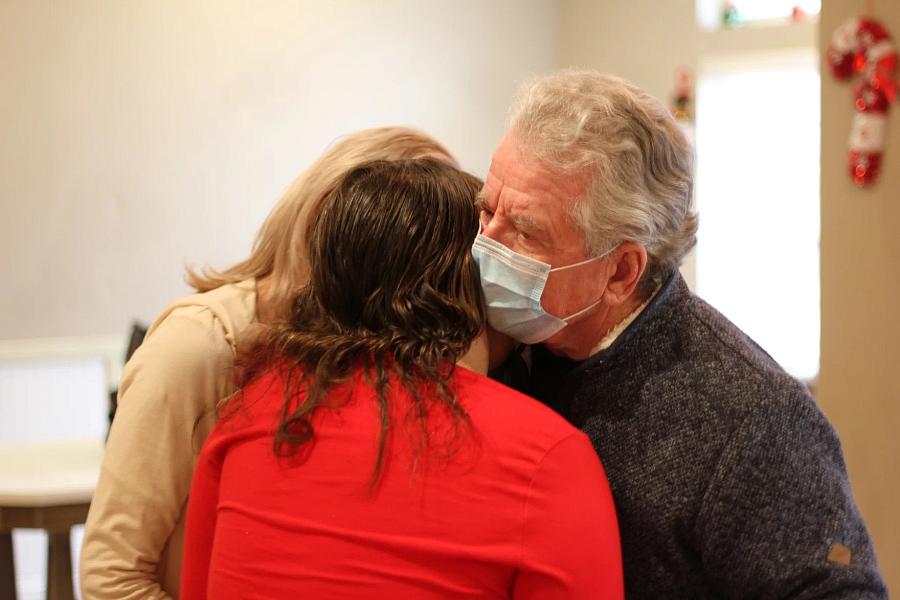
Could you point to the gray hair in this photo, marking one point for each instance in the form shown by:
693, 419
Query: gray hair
640, 163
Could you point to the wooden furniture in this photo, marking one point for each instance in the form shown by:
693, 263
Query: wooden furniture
48, 486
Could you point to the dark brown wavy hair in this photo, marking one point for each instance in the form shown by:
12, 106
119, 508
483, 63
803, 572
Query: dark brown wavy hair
393, 289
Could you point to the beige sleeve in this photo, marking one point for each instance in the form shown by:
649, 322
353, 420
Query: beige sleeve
171, 383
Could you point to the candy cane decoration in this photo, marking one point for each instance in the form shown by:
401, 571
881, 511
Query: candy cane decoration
864, 46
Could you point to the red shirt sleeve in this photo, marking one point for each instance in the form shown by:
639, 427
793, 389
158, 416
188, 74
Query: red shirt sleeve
570, 543
201, 521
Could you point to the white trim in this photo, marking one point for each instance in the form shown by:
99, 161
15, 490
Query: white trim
880, 50
869, 132
111, 348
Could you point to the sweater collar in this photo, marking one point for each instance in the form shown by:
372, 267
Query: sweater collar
616, 331
673, 290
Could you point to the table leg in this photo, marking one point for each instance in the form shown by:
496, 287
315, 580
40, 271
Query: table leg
59, 567
7, 567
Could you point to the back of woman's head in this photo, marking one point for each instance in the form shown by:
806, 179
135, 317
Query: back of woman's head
280, 248
393, 290
390, 261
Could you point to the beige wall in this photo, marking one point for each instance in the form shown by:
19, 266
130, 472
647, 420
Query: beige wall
859, 386
644, 41
138, 135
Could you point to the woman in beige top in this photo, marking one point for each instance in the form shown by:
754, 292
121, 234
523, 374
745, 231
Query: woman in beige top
171, 386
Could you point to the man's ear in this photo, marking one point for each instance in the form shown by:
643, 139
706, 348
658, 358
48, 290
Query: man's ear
627, 264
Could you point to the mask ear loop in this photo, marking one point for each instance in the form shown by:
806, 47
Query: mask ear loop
586, 261
583, 310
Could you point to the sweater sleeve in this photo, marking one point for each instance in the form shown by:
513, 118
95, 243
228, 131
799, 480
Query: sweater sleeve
201, 521
778, 519
166, 397
570, 543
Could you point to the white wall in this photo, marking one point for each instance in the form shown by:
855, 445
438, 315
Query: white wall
136, 136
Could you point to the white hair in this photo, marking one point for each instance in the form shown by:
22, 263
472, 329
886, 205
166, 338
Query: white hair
640, 163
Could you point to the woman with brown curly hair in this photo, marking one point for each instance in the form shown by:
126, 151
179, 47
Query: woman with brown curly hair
170, 388
361, 460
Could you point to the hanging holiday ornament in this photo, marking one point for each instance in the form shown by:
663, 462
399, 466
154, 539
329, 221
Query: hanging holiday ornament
864, 46
798, 15
682, 100
731, 16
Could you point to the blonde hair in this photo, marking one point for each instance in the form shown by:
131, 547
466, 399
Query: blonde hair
280, 247
640, 162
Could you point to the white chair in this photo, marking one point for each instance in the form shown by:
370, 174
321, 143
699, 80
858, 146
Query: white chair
52, 427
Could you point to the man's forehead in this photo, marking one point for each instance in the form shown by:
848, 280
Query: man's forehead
515, 168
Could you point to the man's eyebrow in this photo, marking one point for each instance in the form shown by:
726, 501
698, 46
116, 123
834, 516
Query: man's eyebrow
520, 221
525, 221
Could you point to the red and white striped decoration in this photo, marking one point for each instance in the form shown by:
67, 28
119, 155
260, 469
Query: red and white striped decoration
864, 46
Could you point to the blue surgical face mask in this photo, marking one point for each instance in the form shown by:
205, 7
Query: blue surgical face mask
513, 284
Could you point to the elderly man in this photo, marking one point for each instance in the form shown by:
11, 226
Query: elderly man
728, 480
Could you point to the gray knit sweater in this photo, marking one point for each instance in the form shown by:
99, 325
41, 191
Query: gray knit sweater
729, 481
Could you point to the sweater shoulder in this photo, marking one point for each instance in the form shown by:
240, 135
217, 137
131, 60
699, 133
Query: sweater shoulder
713, 344
229, 309
687, 362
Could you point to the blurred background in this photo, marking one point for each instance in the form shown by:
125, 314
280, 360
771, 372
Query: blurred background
138, 137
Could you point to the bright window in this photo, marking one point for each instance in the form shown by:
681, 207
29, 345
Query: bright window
710, 12
763, 10
757, 260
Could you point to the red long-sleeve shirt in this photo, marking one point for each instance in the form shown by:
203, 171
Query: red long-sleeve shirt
521, 509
